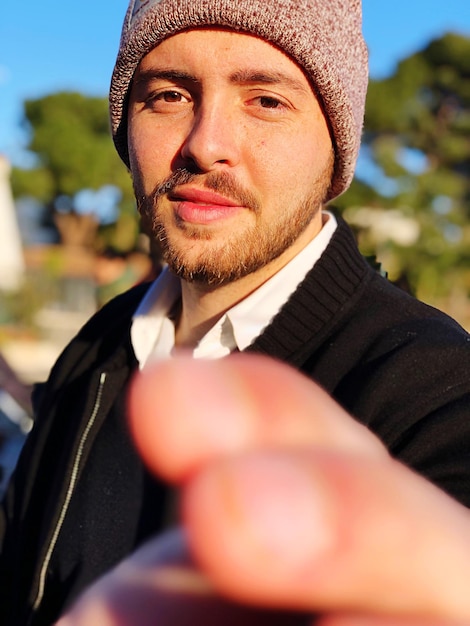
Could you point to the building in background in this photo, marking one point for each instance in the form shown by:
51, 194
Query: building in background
12, 265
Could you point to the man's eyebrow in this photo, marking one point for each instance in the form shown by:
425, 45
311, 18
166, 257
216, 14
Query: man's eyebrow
143, 77
269, 78
242, 77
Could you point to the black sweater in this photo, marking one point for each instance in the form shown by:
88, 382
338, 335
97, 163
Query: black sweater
397, 365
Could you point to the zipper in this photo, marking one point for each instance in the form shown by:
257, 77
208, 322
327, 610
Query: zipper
68, 496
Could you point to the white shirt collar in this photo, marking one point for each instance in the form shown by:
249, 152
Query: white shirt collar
152, 332
151, 324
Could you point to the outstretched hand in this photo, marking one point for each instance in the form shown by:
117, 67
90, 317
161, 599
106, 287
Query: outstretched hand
289, 509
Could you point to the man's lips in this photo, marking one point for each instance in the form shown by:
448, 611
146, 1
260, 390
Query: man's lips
202, 206
202, 196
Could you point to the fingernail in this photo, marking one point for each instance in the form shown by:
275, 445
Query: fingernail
284, 508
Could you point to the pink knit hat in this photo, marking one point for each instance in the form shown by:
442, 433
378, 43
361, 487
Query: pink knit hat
323, 36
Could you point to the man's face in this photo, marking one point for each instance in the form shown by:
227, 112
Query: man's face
230, 154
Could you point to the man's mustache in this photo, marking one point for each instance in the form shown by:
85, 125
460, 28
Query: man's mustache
220, 182
179, 177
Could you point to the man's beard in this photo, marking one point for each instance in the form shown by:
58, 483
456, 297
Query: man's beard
238, 254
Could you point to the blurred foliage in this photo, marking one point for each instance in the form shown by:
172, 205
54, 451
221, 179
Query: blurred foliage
412, 206
71, 142
21, 306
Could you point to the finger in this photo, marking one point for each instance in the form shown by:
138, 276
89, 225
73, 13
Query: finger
185, 412
323, 531
375, 620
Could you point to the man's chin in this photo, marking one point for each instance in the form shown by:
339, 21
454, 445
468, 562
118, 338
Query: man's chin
210, 273
203, 275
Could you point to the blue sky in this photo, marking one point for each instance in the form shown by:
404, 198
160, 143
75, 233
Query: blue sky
49, 46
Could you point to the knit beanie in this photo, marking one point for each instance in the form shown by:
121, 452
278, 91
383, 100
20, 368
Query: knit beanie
324, 37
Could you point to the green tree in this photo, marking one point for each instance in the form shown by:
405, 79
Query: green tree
415, 208
71, 141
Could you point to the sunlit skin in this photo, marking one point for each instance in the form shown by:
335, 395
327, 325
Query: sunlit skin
240, 117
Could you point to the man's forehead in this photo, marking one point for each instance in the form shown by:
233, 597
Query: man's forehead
249, 58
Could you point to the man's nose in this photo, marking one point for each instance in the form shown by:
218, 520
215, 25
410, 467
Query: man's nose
213, 139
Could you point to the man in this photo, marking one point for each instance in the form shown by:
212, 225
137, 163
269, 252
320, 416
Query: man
238, 121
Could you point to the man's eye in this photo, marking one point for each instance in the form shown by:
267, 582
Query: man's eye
169, 96
269, 103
